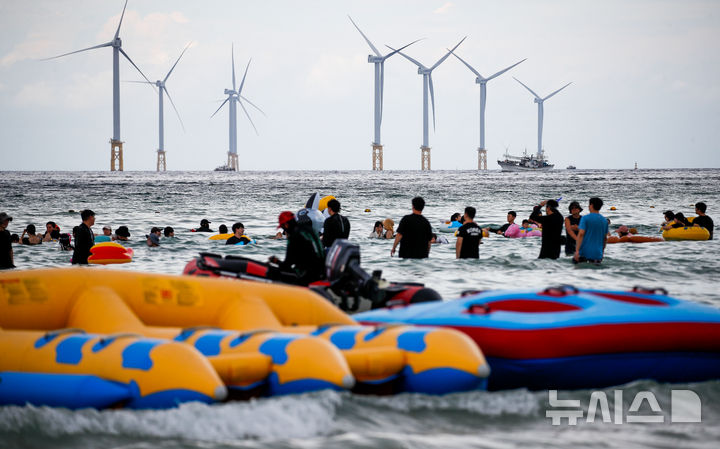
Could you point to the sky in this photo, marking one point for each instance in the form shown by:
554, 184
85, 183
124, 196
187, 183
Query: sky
645, 82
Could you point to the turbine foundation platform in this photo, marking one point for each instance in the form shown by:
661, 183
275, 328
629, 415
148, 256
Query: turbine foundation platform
482, 159
233, 161
161, 160
424, 158
377, 157
116, 155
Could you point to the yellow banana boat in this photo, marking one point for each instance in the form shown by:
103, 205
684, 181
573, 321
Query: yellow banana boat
205, 312
72, 369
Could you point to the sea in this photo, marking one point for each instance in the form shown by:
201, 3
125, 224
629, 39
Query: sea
505, 419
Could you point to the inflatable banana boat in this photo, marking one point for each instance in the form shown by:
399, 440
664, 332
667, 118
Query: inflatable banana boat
564, 338
72, 369
272, 339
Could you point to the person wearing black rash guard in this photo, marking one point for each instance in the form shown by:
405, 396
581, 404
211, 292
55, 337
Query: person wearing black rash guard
239, 237
571, 227
304, 257
510, 220
336, 226
703, 220
552, 225
84, 238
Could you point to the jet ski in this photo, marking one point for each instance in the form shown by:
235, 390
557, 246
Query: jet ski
347, 285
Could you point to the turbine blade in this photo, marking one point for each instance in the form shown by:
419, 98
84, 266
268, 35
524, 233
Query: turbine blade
173, 105
176, 62
140, 82
400, 49
223, 104
107, 44
447, 54
468, 66
432, 98
117, 33
407, 57
232, 53
495, 75
138, 68
531, 91
248, 116
253, 105
557, 91
242, 83
366, 39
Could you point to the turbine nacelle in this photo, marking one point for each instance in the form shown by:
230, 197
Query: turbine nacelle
536, 100
116, 43
372, 59
229, 92
480, 81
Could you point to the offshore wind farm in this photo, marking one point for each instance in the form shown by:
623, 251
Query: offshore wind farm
314, 84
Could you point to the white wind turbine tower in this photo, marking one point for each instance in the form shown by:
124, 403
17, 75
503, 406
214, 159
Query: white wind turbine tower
379, 60
235, 97
116, 145
482, 81
540, 102
427, 85
161, 121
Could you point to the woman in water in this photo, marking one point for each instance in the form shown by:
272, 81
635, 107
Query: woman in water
389, 227
377, 232
572, 222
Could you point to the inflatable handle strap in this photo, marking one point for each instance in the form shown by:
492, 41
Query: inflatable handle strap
560, 290
479, 309
68, 330
650, 291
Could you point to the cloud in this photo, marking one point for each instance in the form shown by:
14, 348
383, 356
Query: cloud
37, 46
81, 93
444, 8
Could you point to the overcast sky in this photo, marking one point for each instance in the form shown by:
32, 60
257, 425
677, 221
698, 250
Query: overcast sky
645, 74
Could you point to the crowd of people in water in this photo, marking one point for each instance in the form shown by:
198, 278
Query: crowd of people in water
584, 238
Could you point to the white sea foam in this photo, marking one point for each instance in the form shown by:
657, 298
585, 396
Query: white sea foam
299, 416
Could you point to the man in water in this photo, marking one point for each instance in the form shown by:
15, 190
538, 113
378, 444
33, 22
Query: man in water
592, 234
336, 226
84, 238
511, 215
413, 233
204, 226
552, 225
153, 239
169, 231
703, 220
304, 257
469, 237
6, 252
239, 237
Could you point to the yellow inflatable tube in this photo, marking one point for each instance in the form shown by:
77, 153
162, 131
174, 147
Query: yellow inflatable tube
44, 299
220, 236
69, 368
686, 233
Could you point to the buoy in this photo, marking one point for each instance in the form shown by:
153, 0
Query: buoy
367, 210
652, 207
71, 211
613, 208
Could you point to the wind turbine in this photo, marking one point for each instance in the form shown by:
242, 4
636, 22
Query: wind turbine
540, 102
379, 60
160, 84
235, 96
482, 81
427, 85
116, 150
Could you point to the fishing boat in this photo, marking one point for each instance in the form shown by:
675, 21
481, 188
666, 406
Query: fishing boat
525, 162
570, 167
224, 168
